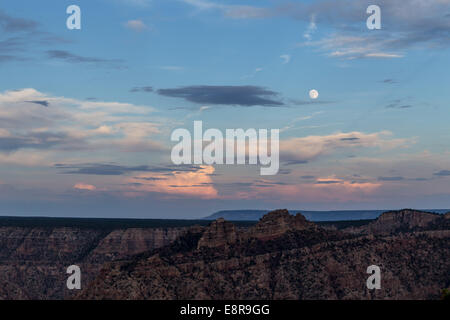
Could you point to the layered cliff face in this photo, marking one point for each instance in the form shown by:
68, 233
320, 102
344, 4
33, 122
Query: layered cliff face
286, 257
281, 257
277, 223
220, 233
33, 261
406, 220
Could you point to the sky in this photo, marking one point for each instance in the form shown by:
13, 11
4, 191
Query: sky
86, 115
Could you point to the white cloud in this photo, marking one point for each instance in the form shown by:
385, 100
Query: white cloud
312, 27
34, 120
136, 25
350, 47
406, 24
251, 75
140, 3
286, 58
230, 11
171, 68
383, 55
311, 147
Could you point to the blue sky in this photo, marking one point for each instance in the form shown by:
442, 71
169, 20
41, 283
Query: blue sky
86, 115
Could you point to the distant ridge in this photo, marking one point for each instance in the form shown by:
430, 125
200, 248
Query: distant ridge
103, 223
338, 215
286, 257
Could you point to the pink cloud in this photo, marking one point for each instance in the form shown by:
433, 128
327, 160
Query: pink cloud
195, 184
325, 190
84, 186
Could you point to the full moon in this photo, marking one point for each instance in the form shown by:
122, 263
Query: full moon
313, 94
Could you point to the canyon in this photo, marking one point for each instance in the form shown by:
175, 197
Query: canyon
282, 256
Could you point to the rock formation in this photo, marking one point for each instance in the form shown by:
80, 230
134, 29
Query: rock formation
281, 257
33, 261
286, 257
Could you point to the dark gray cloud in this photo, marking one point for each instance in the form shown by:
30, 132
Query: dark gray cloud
237, 184
443, 173
38, 140
108, 169
18, 35
9, 58
399, 104
308, 177
100, 169
391, 178
247, 184
225, 95
142, 89
294, 162
12, 24
389, 81
350, 139
150, 178
47, 38
12, 44
419, 179
329, 182
74, 58
284, 171
266, 183
44, 103
11, 48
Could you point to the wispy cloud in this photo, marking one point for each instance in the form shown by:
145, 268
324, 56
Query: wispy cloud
425, 27
171, 68
309, 148
19, 35
399, 104
443, 173
84, 186
230, 11
142, 89
74, 58
286, 58
13, 24
312, 27
39, 140
389, 81
139, 3
136, 25
191, 183
112, 169
351, 47
254, 73
33, 120
397, 178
